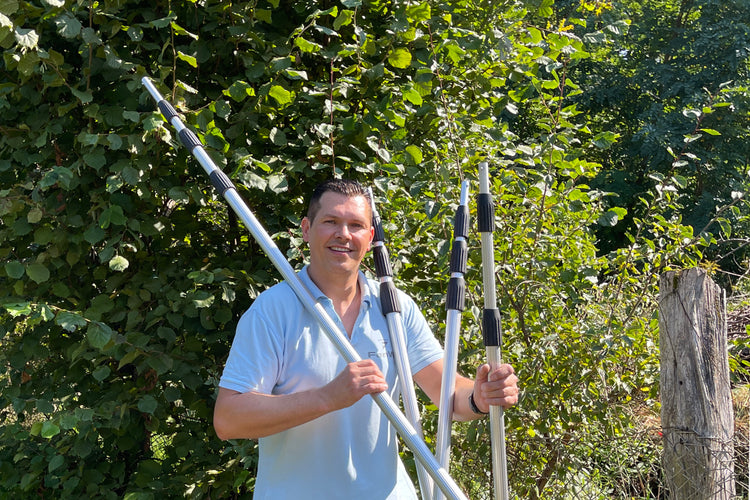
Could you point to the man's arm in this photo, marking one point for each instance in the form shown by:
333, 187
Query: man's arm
252, 415
501, 390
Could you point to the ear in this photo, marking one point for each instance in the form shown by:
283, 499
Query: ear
305, 226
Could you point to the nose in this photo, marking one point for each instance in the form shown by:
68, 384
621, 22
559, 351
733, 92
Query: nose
343, 231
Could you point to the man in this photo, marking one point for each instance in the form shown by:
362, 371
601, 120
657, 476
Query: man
286, 385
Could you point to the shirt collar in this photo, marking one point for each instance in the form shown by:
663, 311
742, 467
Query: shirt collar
319, 295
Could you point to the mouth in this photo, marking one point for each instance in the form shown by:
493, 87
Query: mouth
339, 249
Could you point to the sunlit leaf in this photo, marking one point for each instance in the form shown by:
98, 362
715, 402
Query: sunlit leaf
399, 58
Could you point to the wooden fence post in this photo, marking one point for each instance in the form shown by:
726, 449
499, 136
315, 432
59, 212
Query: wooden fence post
696, 413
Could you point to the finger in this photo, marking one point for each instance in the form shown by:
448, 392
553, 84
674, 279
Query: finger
500, 372
505, 396
482, 373
367, 367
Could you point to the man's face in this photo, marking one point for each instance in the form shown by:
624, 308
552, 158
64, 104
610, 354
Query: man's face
340, 234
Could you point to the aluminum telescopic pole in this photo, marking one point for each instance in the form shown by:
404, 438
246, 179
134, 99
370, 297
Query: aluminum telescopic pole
491, 328
226, 188
454, 305
391, 308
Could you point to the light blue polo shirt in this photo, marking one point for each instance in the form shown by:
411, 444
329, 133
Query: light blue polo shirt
279, 348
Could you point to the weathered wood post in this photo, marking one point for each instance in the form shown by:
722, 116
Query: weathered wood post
696, 413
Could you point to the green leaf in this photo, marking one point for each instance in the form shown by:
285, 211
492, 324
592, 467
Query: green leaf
545, 8
98, 334
280, 94
191, 60
131, 175
604, 140
18, 308
38, 272
413, 96
113, 214
277, 183
96, 159
115, 141
101, 373
90, 36
68, 26
278, 137
415, 153
399, 58
49, 430
70, 321
179, 30
264, 15
419, 12
128, 358
47, 313
118, 263
61, 176
148, 404
84, 414
239, 91
34, 215
612, 216
710, 131
26, 38
294, 74
344, 18
8, 6
94, 234
307, 46
6, 25
56, 462
133, 116
28, 63
14, 269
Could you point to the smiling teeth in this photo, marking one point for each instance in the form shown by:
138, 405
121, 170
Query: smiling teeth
340, 249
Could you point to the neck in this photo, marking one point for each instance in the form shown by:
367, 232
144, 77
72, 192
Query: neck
341, 288
345, 295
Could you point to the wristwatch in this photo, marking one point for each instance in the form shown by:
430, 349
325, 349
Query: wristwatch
474, 407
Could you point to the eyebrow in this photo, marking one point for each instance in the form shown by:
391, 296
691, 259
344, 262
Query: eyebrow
327, 215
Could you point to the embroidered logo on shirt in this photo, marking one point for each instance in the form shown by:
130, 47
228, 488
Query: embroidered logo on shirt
383, 352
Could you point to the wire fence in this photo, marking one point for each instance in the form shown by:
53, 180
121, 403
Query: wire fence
699, 466
702, 469
630, 466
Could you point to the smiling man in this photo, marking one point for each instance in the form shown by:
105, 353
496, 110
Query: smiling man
286, 385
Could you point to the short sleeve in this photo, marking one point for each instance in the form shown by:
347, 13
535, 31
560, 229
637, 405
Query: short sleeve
422, 346
255, 357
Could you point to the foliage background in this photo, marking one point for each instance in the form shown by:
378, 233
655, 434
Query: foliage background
616, 132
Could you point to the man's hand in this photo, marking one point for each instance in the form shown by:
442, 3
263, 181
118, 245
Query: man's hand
497, 387
357, 380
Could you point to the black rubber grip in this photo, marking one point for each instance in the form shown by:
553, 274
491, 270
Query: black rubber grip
459, 255
167, 110
389, 298
189, 139
220, 181
378, 227
485, 213
461, 222
491, 328
456, 296
382, 263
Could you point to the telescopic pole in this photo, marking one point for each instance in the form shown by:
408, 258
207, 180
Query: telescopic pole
391, 308
226, 188
454, 305
491, 327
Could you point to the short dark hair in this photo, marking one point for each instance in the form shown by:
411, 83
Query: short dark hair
347, 187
